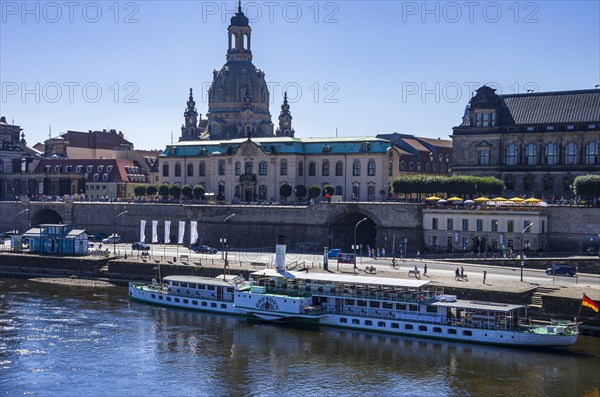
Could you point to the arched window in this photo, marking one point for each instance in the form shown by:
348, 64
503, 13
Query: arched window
238, 168
390, 169
325, 168
530, 154
165, 169
262, 192
402, 166
443, 168
570, 153
428, 167
511, 155
591, 153
283, 168
434, 167
1, 166
301, 168
356, 168
177, 169
190, 169
263, 168
371, 168
411, 166
550, 154
419, 166
312, 169
221, 167
339, 169
248, 168
202, 169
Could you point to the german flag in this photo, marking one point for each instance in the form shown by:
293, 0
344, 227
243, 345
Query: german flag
590, 303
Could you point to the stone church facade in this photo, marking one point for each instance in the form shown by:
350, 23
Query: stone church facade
536, 142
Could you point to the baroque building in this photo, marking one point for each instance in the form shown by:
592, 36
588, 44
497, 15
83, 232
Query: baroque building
536, 142
238, 98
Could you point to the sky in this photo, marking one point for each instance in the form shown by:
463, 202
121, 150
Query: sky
360, 68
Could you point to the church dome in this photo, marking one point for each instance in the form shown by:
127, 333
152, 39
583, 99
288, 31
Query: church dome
239, 83
239, 19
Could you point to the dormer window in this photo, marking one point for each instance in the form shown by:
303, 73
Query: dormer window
550, 128
105, 177
89, 168
47, 169
96, 176
79, 169
591, 126
57, 168
530, 129
570, 127
109, 168
100, 168
364, 147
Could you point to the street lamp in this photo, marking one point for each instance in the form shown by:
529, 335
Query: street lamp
115, 231
354, 246
223, 240
16, 216
523, 248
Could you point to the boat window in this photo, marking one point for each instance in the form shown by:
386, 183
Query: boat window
381, 324
349, 302
168, 298
210, 287
203, 303
395, 325
153, 296
431, 309
451, 331
160, 297
229, 289
368, 322
213, 304
400, 306
408, 326
223, 306
422, 328
184, 285
201, 286
414, 308
467, 333
387, 305
374, 304
355, 321
361, 303
343, 320
437, 329
193, 286
194, 302
177, 300
186, 301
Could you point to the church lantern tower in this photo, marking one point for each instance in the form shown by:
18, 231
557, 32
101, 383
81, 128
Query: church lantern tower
190, 130
285, 120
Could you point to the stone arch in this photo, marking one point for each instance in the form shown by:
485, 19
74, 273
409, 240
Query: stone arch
341, 230
46, 216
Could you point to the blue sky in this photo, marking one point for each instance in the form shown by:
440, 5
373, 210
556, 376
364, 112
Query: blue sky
363, 67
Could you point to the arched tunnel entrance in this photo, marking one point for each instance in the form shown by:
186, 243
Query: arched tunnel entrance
44, 217
341, 232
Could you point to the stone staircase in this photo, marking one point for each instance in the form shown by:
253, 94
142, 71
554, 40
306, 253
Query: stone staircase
536, 296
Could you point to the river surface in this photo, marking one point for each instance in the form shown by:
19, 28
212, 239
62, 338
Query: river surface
58, 340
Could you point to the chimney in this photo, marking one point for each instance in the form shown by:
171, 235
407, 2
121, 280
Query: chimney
280, 254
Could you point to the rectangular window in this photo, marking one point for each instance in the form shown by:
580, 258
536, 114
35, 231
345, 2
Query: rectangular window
479, 223
381, 324
434, 241
494, 225
451, 331
450, 224
355, 321
422, 328
543, 226
467, 333
408, 326
465, 224
434, 223
484, 157
395, 325
510, 226
343, 320
312, 169
525, 226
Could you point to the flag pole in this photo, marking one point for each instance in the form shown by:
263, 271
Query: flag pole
580, 306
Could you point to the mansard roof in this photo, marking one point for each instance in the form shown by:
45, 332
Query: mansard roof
281, 145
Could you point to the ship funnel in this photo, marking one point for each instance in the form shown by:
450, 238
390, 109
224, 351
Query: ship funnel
280, 253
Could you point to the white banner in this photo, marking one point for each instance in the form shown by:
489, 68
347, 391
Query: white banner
143, 231
181, 232
456, 237
193, 232
154, 231
502, 239
167, 232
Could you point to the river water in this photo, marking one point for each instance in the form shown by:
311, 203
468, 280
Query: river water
58, 340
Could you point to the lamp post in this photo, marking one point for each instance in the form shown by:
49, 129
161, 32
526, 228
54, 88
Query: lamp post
523, 248
354, 246
223, 240
115, 231
16, 216
405, 248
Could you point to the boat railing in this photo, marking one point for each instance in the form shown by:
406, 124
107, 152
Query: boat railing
386, 296
186, 294
298, 293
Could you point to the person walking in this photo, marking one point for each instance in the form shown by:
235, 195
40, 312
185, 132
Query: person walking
462, 271
457, 273
394, 262
425, 269
484, 275
419, 255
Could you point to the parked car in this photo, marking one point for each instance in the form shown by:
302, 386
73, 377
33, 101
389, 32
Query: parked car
204, 249
592, 251
345, 258
562, 270
112, 239
98, 236
333, 253
140, 246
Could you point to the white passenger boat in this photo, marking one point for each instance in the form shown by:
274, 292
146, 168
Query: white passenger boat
397, 306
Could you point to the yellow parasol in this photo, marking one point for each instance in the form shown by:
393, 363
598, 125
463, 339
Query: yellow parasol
432, 198
499, 199
516, 200
533, 200
481, 199
451, 199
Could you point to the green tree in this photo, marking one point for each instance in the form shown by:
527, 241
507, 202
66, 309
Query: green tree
187, 191
163, 190
300, 191
151, 190
588, 186
175, 191
314, 191
140, 190
285, 191
328, 189
199, 191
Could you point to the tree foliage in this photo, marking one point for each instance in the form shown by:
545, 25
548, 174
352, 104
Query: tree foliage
163, 190
175, 191
587, 185
300, 191
314, 191
186, 191
151, 190
199, 191
285, 190
461, 185
328, 189
140, 190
